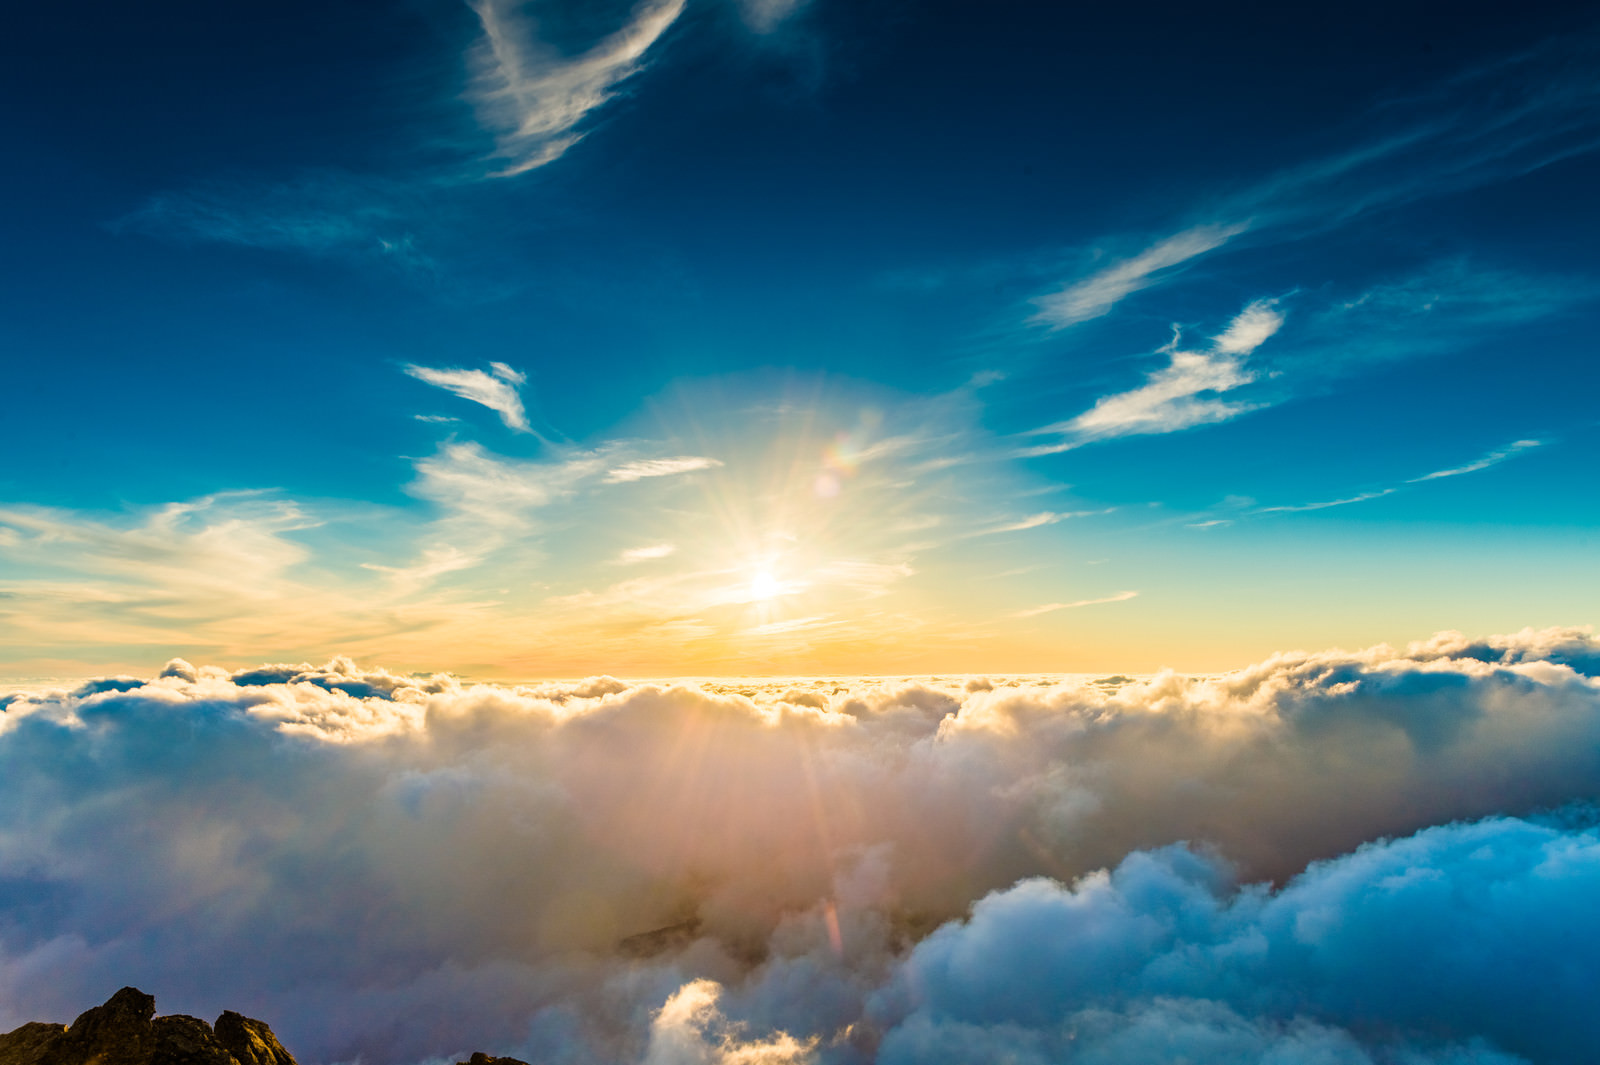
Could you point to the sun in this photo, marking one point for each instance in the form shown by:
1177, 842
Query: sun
764, 586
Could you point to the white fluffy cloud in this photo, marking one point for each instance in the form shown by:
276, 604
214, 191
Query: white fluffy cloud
405, 867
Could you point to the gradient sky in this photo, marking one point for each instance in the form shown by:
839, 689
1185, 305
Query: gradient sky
771, 337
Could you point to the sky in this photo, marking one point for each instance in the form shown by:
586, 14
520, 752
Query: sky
775, 337
805, 532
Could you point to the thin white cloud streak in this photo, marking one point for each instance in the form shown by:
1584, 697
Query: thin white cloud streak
496, 390
670, 467
1495, 122
418, 866
1035, 521
537, 97
1120, 597
1184, 394
1096, 294
1493, 458
646, 554
1326, 504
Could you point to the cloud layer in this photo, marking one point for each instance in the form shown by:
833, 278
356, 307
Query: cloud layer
407, 867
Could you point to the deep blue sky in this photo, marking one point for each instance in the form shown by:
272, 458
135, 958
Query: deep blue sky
231, 229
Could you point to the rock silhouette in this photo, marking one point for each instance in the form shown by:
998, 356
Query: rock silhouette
126, 1031
480, 1058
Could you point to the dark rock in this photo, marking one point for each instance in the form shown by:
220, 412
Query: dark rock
250, 1042
480, 1058
126, 1031
181, 1040
660, 940
27, 1044
117, 1033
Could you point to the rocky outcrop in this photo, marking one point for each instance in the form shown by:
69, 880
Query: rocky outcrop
27, 1044
480, 1058
126, 1031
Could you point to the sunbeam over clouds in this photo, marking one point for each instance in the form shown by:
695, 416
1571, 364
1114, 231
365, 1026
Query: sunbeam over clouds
800, 532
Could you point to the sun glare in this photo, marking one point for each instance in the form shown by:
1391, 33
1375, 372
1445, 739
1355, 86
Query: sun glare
765, 586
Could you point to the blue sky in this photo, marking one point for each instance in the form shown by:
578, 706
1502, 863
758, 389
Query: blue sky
764, 337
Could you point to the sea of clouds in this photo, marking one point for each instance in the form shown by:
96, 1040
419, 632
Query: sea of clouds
1342, 858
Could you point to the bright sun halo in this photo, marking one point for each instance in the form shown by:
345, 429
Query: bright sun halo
764, 586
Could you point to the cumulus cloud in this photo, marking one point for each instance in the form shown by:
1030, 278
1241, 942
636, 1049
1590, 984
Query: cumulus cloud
401, 867
496, 389
1184, 394
1165, 958
537, 97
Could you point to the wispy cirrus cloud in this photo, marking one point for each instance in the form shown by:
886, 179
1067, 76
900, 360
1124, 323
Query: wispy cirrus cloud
647, 554
496, 389
1185, 393
1326, 504
1493, 458
1497, 121
668, 467
328, 214
1120, 597
1034, 521
535, 96
1095, 295
530, 93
